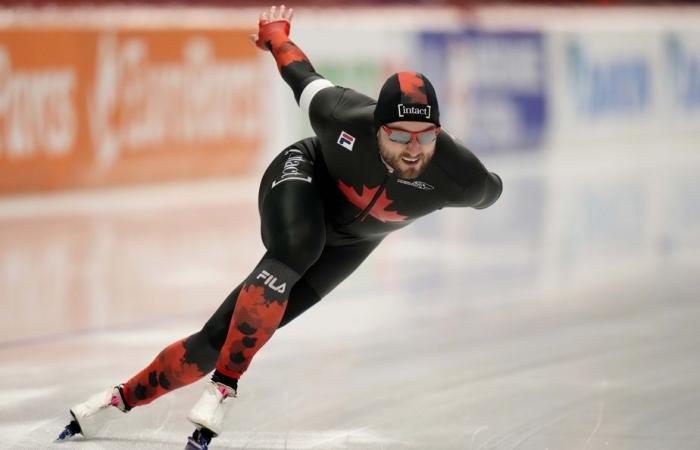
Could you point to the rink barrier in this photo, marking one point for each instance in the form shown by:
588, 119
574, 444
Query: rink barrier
146, 94
125, 105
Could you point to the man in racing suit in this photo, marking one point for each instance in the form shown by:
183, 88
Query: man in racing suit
325, 203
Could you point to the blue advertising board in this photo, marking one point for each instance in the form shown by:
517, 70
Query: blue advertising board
604, 87
684, 65
491, 86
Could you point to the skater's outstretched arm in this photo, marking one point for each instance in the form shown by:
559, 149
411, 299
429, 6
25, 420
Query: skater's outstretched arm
296, 70
481, 188
294, 66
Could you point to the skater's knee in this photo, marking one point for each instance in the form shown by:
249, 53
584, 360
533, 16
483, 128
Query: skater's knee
302, 297
298, 247
201, 349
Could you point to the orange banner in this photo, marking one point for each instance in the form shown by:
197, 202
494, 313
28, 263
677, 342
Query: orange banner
81, 108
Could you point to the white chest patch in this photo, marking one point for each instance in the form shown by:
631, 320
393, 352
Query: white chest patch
346, 140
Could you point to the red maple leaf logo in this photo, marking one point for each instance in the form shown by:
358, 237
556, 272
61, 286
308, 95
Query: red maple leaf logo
378, 210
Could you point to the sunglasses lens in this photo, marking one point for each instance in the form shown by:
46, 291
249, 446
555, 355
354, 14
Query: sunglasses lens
404, 137
427, 137
400, 137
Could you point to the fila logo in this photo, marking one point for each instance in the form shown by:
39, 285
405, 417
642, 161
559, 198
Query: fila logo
414, 110
417, 184
270, 281
346, 140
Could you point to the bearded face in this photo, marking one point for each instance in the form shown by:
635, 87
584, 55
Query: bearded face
407, 160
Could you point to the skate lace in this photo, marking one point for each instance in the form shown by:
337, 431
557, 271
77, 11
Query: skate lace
225, 392
118, 401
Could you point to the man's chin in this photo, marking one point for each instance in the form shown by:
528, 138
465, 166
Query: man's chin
405, 171
410, 173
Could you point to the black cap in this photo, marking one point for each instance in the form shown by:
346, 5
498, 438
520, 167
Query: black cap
407, 96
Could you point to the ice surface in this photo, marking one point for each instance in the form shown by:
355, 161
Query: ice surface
442, 340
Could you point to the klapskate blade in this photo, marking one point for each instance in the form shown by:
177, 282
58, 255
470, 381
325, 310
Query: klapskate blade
192, 445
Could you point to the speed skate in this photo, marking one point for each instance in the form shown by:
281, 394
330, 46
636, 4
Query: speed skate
92, 415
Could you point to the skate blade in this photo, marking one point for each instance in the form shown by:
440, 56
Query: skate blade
69, 431
65, 435
194, 445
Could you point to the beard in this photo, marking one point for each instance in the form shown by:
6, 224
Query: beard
403, 169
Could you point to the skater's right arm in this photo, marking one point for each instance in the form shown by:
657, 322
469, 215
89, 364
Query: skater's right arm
297, 71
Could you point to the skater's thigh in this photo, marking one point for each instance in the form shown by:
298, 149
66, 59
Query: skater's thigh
333, 266
291, 210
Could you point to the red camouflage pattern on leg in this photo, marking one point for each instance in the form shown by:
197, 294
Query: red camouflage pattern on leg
254, 321
168, 371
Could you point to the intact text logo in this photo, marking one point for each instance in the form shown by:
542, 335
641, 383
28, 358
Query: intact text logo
414, 111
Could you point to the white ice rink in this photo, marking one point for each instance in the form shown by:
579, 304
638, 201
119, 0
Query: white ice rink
525, 326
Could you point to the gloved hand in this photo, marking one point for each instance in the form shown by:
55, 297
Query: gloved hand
274, 25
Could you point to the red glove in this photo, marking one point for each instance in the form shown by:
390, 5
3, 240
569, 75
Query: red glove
272, 34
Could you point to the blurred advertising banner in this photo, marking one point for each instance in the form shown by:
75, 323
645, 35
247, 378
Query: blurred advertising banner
81, 108
624, 85
682, 55
491, 84
607, 84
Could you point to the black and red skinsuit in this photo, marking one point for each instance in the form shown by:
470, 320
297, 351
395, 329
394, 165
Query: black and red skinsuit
325, 203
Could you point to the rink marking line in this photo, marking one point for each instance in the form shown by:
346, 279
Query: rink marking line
477, 431
338, 435
528, 434
158, 430
601, 411
63, 335
133, 198
9, 397
150, 325
300, 440
537, 429
23, 431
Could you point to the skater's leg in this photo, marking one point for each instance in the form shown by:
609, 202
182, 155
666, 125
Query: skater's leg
189, 359
177, 365
181, 363
293, 231
334, 265
202, 348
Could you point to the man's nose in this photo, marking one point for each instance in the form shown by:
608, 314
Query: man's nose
414, 145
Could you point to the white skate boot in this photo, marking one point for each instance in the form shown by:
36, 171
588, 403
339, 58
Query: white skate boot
208, 414
91, 415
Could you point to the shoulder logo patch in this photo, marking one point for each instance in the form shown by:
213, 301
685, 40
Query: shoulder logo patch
346, 140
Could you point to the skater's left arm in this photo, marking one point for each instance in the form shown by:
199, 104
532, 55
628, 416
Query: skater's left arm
487, 189
297, 71
294, 66
480, 187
